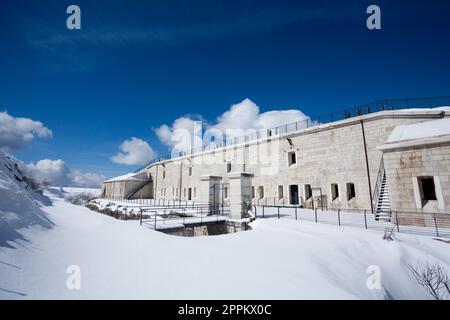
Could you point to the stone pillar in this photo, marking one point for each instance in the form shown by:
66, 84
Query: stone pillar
240, 193
207, 183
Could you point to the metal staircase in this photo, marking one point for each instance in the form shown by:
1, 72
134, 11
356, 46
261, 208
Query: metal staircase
382, 204
139, 187
383, 209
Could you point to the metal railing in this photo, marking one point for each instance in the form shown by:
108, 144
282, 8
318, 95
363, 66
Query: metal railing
377, 190
430, 224
199, 215
365, 109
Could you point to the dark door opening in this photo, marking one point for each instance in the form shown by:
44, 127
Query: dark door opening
293, 194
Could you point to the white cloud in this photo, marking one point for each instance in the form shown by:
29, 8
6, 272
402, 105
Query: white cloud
184, 134
240, 118
85, 179
134, 152
57, 173
15, 132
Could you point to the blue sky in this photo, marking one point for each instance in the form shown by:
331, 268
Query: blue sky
136, 65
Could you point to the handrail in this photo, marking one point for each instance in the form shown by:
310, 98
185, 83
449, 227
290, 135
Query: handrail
139, 187
368, 108
376, 191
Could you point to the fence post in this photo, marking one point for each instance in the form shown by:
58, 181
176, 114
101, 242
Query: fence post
396, 221
435, 224
278, 212
295, 213
315, 214
339, 217
365, 219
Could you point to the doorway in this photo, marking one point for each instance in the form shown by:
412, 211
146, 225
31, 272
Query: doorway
293, 194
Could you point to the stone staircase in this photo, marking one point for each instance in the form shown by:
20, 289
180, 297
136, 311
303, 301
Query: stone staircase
383, 208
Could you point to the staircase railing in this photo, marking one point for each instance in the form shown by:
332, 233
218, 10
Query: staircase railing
377, 189
139, 187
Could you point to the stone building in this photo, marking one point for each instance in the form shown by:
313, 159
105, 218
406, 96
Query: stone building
339, 164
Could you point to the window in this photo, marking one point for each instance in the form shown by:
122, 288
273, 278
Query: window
351, 191
334, 191
253, 192
228, 167
190, 171
427, 189
292, 158
280, 192
195, 192
189, 193
184, 192
225, 192
308, 192
261, 192
164, 174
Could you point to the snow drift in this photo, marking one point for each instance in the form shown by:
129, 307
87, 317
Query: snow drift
19, 202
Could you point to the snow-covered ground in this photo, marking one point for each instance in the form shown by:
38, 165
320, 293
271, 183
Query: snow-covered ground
278, 259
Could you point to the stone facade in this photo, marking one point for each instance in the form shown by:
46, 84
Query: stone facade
406, 163
329, 159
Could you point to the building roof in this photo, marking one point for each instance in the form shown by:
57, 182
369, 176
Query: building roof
420, 130
128, 176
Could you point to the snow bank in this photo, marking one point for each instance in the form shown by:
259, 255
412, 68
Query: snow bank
278, 259
19, 203
419, 130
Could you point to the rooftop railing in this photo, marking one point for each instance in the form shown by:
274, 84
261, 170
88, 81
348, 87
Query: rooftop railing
365, 109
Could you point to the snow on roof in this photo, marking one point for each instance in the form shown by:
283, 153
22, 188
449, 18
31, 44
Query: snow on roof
128, 176
419, 130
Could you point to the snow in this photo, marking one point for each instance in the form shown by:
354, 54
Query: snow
128, 176
278, 259
19, 205
419, 130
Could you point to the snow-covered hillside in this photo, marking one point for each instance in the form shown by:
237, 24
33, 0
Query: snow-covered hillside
278, 259
19, 203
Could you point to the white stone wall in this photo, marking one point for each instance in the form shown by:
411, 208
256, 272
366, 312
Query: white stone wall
403, 166
326, 154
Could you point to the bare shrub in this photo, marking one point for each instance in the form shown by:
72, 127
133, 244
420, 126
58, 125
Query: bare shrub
80, 199
389, 234
433, 279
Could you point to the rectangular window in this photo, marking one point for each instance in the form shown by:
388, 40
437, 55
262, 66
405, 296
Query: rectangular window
190, 171
292, 158
261, 192
253, 192
351, 191
228, 167
164, 174
189, 193
225, 192
195, 192
280, 192
427, 189
184, 192
334, 191
308, 192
